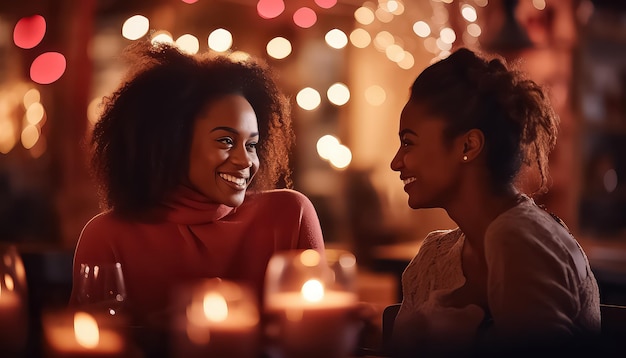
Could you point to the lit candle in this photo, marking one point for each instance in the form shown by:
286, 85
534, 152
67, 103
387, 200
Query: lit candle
313, 322
221, 320
13, 318
80, 334
310, 304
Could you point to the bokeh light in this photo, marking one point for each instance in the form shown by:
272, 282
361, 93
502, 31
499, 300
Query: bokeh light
447, 35
278, 48
135, 27
30, 136
220, 40
469, 13
338, 94
610, 180
391, 6
421, 29
443, 45
329, 148
190, 1
364, 15
188, 43
474, 30
383, 15
93, 110
430, 44
239, 56
163, 37
394, 53
360, 38
407, 62
31, 96
395, 7
47, 68
382, 40
326, 145
375, 95
308, 99
539, 4
34, 114
29, 31
341, 157
326, 4
304, 17
269, 9
336, 38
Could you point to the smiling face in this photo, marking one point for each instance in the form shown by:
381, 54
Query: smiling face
428, 163
223, 157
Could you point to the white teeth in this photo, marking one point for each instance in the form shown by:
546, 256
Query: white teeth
408, 180
232, 179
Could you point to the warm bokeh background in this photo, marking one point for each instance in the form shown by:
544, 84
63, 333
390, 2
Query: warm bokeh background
576, 48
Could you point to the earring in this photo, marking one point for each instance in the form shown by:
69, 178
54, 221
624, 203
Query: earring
465, 158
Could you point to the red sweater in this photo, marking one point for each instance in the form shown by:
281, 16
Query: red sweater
198, 239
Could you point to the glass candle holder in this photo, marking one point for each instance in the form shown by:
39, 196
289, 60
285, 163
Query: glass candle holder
77, 333
310, 303
13, 301
216, 318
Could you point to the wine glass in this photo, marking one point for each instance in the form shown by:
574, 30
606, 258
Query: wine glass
310, 304
101, 288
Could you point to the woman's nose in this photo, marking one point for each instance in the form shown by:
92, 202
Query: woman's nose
396, 162
241, 157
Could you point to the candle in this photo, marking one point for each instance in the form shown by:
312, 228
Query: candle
13, 308
220, 320
304, 327
13, 318
80, 334
310, 304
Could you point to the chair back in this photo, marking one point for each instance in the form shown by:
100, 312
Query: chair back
613, 318
389, 316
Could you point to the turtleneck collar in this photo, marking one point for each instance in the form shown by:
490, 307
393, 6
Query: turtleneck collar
186, 206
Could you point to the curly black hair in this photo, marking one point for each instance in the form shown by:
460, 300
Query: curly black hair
141, 142
469, 91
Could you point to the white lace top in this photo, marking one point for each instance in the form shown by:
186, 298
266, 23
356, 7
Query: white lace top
539, 285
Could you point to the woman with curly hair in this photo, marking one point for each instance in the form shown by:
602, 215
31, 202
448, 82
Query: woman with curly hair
188, 153
510, 278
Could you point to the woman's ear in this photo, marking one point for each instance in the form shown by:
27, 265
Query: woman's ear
473, 143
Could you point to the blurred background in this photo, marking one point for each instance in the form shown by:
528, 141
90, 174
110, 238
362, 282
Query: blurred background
347, 66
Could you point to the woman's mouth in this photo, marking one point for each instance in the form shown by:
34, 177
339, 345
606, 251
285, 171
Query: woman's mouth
240, 182
408, 181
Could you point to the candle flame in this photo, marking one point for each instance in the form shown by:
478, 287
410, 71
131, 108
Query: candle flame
86, 330
313, 290
8, 282
215, 307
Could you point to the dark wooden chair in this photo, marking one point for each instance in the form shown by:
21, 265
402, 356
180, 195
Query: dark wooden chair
613, 338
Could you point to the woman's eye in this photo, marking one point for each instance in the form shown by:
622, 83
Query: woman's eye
226, 140
251, 146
